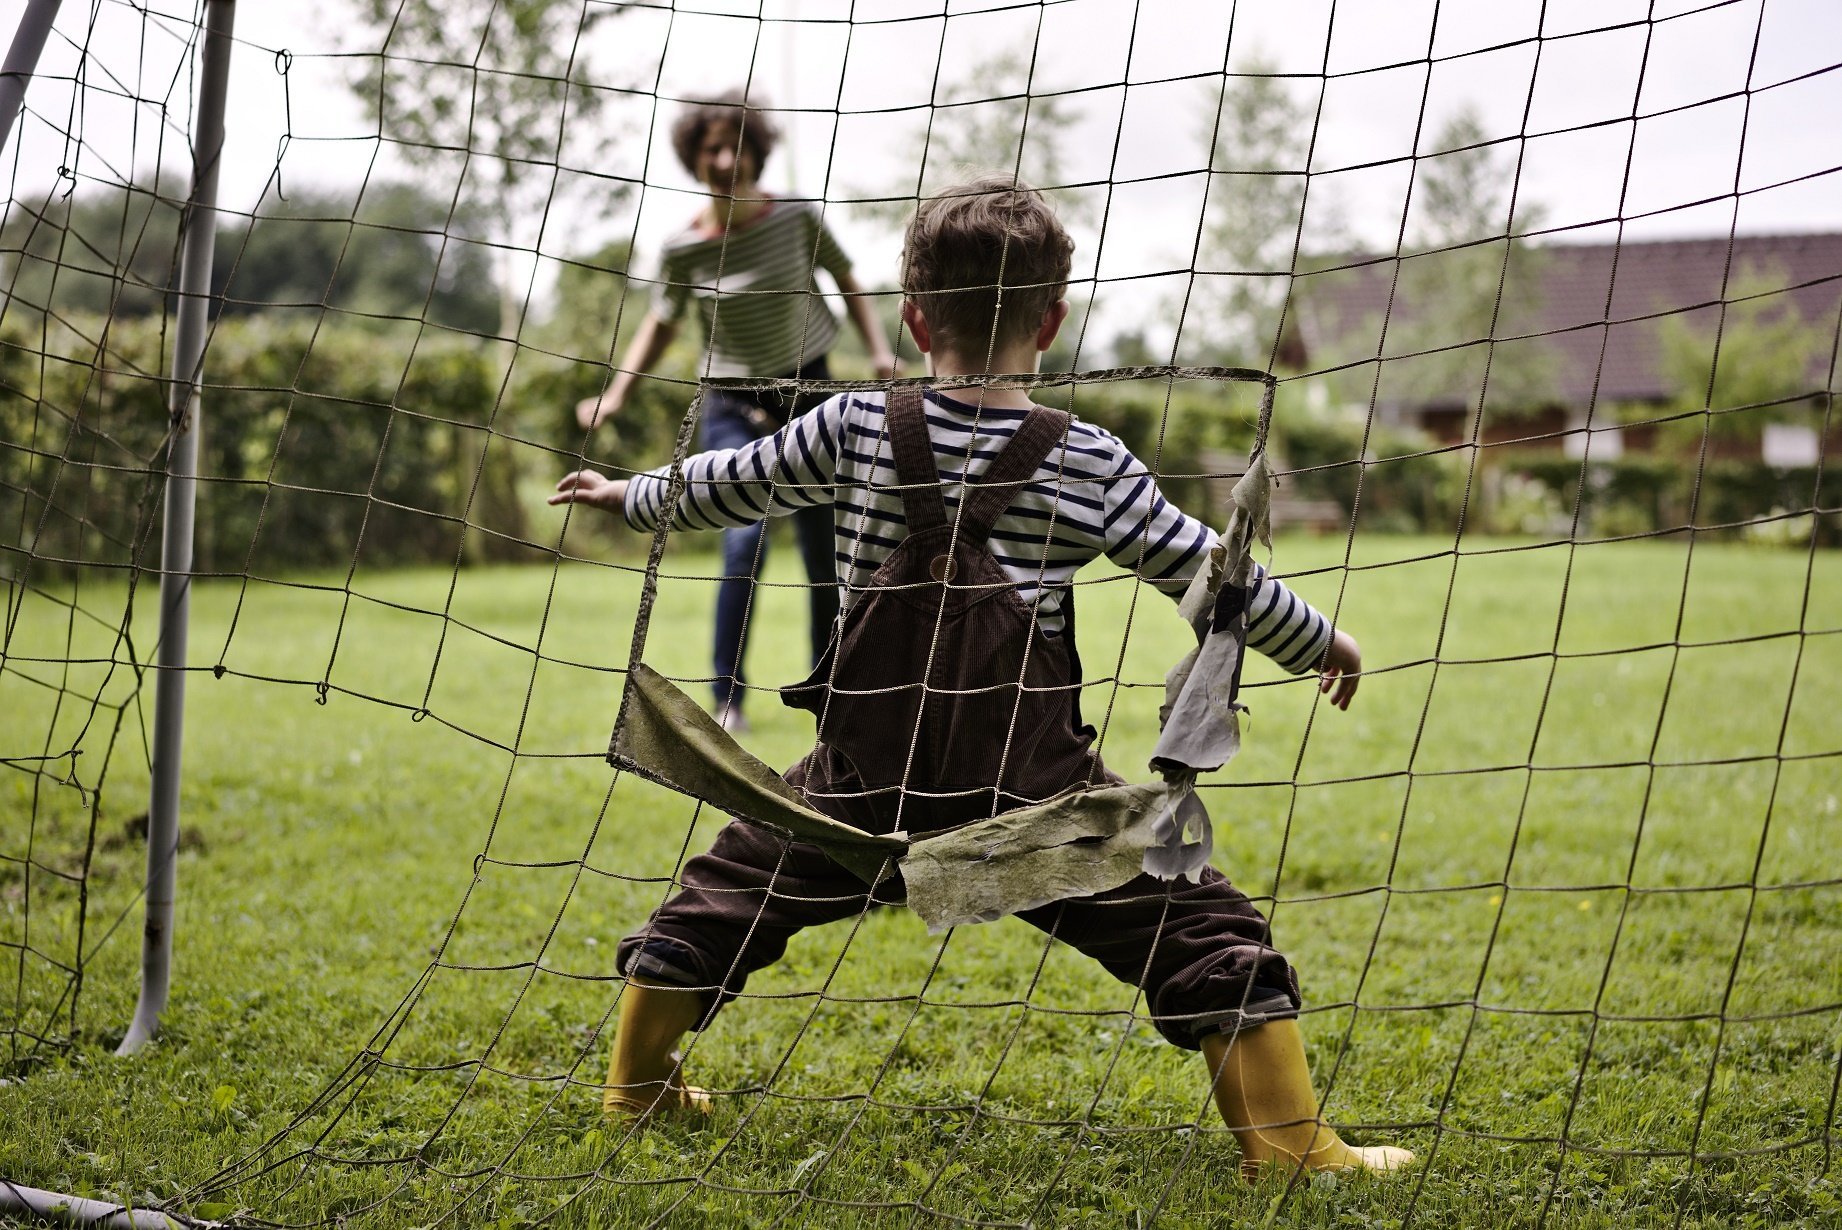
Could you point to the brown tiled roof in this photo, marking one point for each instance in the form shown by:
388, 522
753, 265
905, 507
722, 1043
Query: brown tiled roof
1582, 297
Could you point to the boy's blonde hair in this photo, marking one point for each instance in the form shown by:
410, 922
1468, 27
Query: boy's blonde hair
984, 259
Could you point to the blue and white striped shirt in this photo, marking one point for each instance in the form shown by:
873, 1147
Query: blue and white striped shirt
1090, 497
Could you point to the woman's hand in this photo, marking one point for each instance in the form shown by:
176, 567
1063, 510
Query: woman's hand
591, 487
591, 412
643, 354
1341, 669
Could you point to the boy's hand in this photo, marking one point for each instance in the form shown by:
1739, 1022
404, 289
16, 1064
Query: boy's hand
1341, 669
590, 487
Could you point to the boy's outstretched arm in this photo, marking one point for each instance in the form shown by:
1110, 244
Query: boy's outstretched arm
592, 487
1341, 670
777, 474
1165, 546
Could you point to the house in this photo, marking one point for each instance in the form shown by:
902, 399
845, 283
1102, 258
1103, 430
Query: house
1579, 326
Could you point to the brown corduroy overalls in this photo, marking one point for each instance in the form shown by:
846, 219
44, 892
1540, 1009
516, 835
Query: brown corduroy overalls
941, 702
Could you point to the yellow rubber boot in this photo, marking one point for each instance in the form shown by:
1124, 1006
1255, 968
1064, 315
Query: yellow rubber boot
644, 1075
1262, 1086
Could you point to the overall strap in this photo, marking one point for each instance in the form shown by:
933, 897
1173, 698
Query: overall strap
913, 452
987, 499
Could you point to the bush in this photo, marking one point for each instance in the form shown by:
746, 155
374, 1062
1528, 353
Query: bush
325, 445
1628, 495
1740, 492
1642, 494
1402, 485
1184, 436
318, 447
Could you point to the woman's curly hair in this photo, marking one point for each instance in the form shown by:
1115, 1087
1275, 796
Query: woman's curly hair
751, 119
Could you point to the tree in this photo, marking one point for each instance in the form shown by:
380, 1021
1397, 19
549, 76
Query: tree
396, 253
497, 91
987, 121
1762, 366
1131, 348
1467, 278
1258, 135
111, 252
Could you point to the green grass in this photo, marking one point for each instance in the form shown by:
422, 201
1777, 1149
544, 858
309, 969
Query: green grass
1478, 871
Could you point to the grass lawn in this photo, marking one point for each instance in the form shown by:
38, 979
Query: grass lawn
1564, 888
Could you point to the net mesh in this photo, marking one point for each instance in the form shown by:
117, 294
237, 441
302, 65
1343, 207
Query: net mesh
1561, 886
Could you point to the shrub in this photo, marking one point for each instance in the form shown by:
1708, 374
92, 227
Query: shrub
1736, 493
318, 446
1402, 484
1640, 494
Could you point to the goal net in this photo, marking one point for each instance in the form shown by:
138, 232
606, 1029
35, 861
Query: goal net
1544, 301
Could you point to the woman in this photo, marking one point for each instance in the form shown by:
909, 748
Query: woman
747, 262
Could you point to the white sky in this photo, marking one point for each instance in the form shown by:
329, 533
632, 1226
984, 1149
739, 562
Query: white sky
836, 64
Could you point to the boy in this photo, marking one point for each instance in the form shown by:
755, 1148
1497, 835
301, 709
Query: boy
952, 690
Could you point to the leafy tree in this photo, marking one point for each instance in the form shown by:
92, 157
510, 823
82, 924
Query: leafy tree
1258, 134
504, 82
593, 295
986, 121
1463, 249
1131, 348
110, 252
397, 253
1766, 353
115, 253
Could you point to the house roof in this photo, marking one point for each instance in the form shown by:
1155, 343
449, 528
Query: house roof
1593, 310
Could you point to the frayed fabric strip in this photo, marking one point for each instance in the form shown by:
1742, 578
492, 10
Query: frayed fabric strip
1077, 845
1200, 718
1182, 836
666, 737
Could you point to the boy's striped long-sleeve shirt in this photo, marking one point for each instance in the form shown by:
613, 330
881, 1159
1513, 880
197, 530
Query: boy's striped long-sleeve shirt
1090, 497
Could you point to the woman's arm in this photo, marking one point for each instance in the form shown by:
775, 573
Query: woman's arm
863, 315
646, 349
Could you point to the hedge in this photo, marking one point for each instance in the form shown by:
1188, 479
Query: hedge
318, 448
326, 447
1641, 494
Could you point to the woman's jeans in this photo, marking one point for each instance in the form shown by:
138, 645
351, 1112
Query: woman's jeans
730, 421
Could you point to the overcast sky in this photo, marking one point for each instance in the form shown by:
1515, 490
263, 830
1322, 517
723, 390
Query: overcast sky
857, 77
